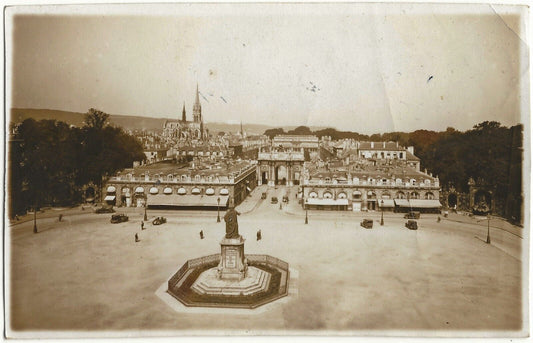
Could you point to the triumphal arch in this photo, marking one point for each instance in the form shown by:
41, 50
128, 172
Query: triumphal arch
279, 166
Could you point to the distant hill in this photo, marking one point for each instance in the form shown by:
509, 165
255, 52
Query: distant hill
132, 122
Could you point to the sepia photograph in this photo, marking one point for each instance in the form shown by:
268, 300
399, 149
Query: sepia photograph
266, 169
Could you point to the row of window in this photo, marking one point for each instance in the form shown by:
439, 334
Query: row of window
171, 177
374, 181
168, 190
372, 195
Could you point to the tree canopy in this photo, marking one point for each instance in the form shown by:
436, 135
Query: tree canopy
53, 160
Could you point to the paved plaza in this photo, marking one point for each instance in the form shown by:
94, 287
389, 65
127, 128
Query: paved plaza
85, 273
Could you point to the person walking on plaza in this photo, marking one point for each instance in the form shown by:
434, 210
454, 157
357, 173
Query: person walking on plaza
136, 238
259, 235
201, 234
142, 225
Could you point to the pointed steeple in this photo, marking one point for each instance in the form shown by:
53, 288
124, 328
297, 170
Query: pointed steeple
197, 108
242, 132
183, 114
197, 100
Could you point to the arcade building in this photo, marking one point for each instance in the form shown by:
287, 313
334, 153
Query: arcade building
163, 185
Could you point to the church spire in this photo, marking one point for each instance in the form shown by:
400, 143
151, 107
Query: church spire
197, 108
183, 114
197, 100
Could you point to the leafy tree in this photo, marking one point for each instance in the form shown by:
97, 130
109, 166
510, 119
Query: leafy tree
301, 130
274, 132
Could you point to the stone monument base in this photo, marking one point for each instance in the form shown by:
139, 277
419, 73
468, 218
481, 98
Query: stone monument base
208, 282
233, 265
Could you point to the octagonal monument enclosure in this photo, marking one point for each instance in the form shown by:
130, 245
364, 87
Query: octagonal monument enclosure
274, 283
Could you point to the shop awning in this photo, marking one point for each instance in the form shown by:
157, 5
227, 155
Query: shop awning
327, 202
186, 200
386, 203
422, 203
109, 198
402, 202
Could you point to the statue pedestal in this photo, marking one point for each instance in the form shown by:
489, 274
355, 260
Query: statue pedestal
232, 264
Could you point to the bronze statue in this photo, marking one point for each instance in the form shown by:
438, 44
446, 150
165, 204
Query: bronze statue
232, 226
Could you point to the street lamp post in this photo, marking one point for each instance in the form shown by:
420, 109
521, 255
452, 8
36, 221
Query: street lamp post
35, 219
488, 229
382, 222
218, 210
145, 206
306, 220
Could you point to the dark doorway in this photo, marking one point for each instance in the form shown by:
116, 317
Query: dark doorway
281, 175
264, 178
89, 194
452, 200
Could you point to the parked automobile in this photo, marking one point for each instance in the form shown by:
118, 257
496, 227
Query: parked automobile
263, 195
274, 200
159, 221
412, 215
119, 218
411, 225
105, 209
286, 198
367, 223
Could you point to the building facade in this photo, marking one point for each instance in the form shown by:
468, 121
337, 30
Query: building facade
277, 166
182, 189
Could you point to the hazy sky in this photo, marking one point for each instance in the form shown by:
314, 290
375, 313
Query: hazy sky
362, 67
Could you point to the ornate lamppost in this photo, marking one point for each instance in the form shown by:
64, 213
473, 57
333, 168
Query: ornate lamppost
218, 210
382, 222
306, 219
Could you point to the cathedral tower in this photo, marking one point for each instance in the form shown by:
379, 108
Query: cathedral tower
197, 108
183, 114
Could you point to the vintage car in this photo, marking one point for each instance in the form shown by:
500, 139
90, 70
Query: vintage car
263, 195
367, 223
119, 218
274, 200
159, 221
411, 225
412, 215
105, 209
285, 198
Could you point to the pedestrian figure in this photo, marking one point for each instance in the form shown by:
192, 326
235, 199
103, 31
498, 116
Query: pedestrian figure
201, 234
136, 238
259, 235
142, 225
438, 219
60, 217
280, 206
